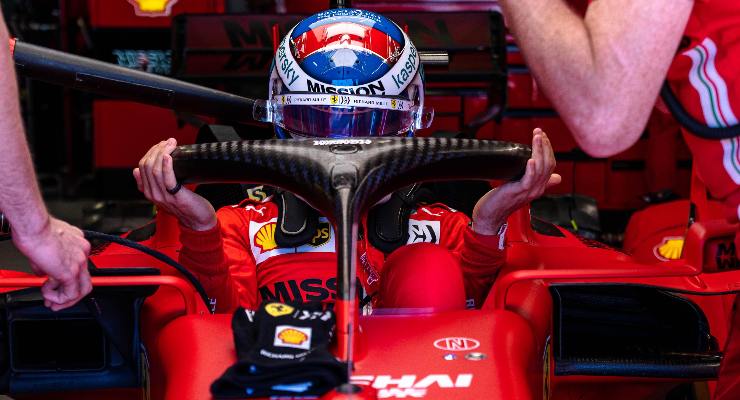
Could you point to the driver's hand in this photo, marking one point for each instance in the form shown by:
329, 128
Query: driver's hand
494, 207
155, 175
60, 251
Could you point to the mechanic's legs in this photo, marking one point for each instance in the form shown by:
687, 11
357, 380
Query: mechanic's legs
422, 275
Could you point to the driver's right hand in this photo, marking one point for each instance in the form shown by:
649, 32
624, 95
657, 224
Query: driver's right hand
155, 175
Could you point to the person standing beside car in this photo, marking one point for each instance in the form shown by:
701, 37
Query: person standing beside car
603, 72
53, 247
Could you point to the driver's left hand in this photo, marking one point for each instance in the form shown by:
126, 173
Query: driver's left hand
492, 210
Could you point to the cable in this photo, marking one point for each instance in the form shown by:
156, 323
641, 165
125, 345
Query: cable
690, 123
159, 256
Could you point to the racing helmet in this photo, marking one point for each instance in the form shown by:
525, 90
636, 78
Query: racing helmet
345, 73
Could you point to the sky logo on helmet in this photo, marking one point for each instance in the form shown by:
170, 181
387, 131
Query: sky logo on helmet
287, 67
153, 8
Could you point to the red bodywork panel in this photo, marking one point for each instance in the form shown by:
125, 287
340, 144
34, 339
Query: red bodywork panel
130, 13
403, 364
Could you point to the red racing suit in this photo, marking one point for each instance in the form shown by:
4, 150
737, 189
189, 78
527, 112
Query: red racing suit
704, 76
239, 262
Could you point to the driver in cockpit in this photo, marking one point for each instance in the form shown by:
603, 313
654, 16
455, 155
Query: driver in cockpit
344, 73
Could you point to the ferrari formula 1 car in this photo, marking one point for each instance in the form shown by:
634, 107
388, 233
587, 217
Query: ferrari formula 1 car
567, 318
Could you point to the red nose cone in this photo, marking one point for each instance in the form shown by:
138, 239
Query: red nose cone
351, 392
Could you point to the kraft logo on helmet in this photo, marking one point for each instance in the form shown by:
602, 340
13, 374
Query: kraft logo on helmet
153, 8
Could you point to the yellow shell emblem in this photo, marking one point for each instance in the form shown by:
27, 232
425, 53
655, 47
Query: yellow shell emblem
153, 8
292, 336
265, 238
670, 249
278, 309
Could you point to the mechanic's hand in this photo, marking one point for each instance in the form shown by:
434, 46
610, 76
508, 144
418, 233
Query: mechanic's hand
155, 175
60, 251
492, 210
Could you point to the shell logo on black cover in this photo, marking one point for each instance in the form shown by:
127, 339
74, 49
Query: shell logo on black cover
153, 8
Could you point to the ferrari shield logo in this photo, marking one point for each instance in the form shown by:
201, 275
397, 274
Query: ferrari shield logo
334, 99
278, 309
153, 8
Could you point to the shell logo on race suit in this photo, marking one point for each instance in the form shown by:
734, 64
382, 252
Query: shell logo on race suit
292, 336
153, 8
264, 247
411, 386
265, 238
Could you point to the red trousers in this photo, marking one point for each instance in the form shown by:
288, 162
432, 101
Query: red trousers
421, 276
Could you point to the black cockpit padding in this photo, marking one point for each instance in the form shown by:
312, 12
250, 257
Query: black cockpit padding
297, 222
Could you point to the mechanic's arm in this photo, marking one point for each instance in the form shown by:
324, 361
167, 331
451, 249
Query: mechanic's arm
206, 241
602, 72
53, 247
483, 251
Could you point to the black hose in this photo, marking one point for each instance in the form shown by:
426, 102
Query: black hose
90, 235
690, 123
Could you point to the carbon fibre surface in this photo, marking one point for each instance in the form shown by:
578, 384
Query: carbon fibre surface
315, 169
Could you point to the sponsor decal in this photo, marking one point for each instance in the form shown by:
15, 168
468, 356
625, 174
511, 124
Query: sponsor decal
423, 232
153, 8
264, 246
456, 344
372, 274
265, 238
257, 193
411, 386
401, 78
278, 309
331, 142
670, 248
258, 210
371, 89
313, 289
292, 336
724, 255
305, 315
322, 235
286, 64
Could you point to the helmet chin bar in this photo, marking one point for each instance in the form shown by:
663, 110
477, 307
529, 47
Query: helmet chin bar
342, 178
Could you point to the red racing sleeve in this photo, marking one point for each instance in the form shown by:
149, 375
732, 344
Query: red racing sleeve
481, 256
221, 261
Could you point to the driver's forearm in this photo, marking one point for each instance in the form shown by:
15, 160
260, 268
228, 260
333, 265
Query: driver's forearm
602, 72
20, 199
